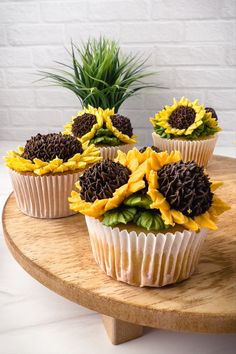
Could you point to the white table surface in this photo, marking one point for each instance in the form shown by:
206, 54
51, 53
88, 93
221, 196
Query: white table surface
34, 320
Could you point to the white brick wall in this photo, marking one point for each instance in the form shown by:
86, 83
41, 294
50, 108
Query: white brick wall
191, 43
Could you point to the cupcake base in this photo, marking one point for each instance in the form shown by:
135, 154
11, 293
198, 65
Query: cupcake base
110, 152
145, 259
198, 150
43, 196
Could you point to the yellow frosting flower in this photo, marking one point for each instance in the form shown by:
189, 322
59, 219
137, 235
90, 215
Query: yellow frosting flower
123, 137
103, 117
100, 206
172, 216
16, 162
162, 118
144, 167
99, 115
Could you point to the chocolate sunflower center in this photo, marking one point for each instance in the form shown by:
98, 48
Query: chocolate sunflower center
122, 124
49, 146
83, 124
154, 148
182, 117
213, 112
185, 187
102, 179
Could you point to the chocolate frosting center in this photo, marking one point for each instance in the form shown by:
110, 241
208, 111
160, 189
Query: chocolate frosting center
185, 187
83, 124
182, 117
122, 124
102, 179
49, 146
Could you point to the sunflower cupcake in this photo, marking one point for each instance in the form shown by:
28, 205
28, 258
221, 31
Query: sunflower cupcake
187, 127
44, 171
108, 131
147, 215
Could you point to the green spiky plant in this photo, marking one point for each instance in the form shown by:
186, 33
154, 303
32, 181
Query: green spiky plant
100, 75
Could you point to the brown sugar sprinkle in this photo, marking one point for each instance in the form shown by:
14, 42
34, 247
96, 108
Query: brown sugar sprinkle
83, 124
122, 124
102, 179
185, 187
49, 146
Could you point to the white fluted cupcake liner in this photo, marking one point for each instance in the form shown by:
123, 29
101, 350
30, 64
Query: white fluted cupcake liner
44, 196
143, 259
198, 150
110, 152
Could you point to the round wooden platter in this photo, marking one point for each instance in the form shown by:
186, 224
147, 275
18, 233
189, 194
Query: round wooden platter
57, 253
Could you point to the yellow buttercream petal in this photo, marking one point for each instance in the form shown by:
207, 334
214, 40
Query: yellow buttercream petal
178, 217
215, 185
191, 224
218, 206
205, 220
167, 217
136, 186
121, 158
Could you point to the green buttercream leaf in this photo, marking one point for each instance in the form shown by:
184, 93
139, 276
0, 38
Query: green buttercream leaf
138, 200
103, 132
149, 220
105, 137
121, 215
106, 140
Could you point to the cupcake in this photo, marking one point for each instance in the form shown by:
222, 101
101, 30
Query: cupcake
108, 131
147, 215
44, 171
187, 127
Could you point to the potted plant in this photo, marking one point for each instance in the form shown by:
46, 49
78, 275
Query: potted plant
102, 78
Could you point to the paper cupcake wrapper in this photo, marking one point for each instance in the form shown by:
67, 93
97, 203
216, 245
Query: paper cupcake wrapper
143, 259
198, 150
110, 152
43, 196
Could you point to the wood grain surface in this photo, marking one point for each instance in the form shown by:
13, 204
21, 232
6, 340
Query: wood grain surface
57, 253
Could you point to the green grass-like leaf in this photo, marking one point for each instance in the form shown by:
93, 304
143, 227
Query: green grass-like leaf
99, 75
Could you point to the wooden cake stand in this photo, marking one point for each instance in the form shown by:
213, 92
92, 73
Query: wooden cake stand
57, 253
